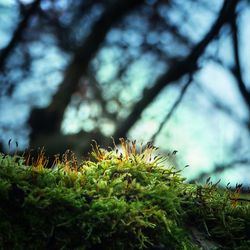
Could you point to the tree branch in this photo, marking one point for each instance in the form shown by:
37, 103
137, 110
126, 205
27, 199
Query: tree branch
49, 120
187, 66
237, 70
172, 110
18, 33
218, 104
219, 168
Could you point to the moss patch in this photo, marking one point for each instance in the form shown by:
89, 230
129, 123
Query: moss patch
119, 200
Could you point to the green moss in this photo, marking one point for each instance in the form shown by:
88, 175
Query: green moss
116, 201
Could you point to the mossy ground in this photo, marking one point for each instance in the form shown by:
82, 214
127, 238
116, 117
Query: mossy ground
118, 200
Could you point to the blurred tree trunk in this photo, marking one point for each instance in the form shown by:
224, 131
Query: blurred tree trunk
46, 122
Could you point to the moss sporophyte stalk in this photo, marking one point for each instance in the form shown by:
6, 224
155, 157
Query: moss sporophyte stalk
123, 198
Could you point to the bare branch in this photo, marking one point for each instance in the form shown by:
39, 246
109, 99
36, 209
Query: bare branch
219, 168
53, 115
220, 105
172, 110
18, 33
186, 66
237, 70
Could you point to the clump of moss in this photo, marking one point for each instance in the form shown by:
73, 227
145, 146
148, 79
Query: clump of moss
122, 199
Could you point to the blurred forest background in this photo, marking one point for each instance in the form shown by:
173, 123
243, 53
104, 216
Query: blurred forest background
173, 72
